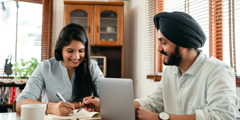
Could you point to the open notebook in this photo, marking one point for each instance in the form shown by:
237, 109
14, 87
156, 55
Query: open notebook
80, 115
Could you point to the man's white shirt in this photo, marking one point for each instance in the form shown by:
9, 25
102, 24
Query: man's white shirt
207, 89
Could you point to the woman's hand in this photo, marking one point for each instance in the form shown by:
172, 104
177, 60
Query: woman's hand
91, 104
61, 108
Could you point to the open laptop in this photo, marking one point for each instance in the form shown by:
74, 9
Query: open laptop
116, 99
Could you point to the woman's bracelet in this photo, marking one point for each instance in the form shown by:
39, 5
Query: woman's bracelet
46, 108
80, 103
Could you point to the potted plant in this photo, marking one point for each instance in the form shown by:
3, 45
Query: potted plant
25, 69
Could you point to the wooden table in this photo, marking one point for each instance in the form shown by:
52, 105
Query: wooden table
16, 116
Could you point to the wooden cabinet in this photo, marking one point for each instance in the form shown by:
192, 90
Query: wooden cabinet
80, 14
109, 25
103, 22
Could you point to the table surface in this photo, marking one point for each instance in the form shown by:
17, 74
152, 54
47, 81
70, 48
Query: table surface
16, 116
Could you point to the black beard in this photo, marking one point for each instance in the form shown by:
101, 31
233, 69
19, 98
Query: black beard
174, 58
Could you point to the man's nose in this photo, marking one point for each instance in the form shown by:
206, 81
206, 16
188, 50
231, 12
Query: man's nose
160, 48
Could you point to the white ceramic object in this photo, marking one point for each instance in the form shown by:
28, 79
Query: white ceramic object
33, 111
110, 29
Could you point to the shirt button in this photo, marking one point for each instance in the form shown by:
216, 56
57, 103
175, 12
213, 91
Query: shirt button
181, 86
179, 105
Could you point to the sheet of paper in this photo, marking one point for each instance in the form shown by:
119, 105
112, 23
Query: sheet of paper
82, 114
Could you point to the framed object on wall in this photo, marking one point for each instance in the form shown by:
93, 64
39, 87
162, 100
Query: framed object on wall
102, 61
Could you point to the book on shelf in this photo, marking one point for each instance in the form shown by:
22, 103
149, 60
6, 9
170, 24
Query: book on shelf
8, 94
16, 93
12, 95
3, 95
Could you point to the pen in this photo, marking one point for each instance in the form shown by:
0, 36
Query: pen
61, 98
84, 105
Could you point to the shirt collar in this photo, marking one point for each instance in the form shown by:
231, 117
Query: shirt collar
64, 70
193, 70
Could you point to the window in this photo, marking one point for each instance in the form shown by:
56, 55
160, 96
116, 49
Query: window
199, 10
236, 33
21, 29
220, 23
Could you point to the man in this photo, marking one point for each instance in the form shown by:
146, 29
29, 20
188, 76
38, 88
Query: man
193, 86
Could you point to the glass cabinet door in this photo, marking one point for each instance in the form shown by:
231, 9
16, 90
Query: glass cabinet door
109, 24
82, 15
79, 17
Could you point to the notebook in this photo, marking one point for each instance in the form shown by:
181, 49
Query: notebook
116, 99
82, 114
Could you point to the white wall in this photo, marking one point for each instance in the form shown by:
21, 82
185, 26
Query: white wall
134, 36
58, 12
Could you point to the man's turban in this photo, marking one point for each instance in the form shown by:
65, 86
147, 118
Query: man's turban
180, 28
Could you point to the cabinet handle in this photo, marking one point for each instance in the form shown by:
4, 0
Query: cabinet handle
97, 29
88, 29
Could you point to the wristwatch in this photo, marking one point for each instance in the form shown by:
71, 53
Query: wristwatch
163, 116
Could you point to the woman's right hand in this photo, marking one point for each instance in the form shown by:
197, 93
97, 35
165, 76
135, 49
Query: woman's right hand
91, 104
61, 108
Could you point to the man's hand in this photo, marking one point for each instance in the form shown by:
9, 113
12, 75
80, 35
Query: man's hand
61, 108
144, 114
91, 104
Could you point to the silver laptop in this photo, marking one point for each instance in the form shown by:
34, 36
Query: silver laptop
116, 99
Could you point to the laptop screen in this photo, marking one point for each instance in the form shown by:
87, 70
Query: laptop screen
116, 99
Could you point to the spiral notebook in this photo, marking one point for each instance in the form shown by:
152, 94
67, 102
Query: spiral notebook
82, 114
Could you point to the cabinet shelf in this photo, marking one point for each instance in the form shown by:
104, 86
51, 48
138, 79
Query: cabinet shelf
5, 105
106, 18
108, 32
78, 17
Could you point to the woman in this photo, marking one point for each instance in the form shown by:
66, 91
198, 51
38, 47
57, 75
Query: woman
71, 73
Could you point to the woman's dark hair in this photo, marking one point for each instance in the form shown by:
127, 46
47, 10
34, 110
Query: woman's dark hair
82, 84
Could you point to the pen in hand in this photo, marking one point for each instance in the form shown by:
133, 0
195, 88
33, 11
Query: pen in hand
84, 105
61, 98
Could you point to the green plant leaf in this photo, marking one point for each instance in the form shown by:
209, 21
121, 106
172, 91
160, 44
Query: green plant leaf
26, 68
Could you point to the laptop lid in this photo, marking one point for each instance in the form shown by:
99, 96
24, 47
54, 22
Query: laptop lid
116, 99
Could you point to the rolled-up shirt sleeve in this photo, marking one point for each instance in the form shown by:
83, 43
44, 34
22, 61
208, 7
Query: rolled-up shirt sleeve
34, 86
221, 99
154, 101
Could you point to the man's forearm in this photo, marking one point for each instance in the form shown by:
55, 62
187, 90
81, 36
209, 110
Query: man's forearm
182, 117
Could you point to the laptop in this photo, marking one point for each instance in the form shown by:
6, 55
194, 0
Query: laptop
116, 99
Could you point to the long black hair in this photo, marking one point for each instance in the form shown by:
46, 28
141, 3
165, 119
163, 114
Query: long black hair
82, 84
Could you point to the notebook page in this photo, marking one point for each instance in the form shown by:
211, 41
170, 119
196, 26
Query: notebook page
84, 112
81, 114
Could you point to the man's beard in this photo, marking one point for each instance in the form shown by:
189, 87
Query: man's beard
174, 58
